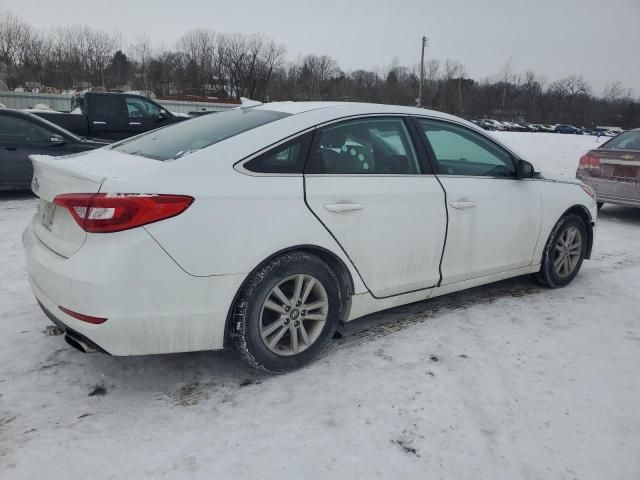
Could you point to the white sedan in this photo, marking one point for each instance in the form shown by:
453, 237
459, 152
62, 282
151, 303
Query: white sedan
266, 227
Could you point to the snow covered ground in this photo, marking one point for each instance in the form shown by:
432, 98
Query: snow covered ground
509, 381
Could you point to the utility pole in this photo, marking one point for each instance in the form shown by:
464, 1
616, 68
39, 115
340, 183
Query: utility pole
425, 40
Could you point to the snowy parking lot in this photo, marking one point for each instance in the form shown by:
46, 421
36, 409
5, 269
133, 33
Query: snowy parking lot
506, 381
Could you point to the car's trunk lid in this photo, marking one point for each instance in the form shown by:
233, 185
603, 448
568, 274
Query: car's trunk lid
54, 226
621, 165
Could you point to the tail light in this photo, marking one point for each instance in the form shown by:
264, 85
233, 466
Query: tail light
105, 212
589, 162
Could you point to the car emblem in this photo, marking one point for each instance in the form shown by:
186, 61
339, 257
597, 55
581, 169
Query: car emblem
35, 184
626, 157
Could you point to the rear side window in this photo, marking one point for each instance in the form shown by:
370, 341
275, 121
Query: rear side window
625, 141
365, 146
186, 137
286, 158
107, 106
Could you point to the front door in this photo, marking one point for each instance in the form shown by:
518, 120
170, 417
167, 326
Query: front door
494, 218
143, 115
365, 183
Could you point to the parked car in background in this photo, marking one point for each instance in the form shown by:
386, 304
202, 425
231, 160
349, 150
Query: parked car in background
112, 116
310, 214
561, 128
485, 125
23, 134
613, 170
493, 123
614, 130
603, 132
515, 127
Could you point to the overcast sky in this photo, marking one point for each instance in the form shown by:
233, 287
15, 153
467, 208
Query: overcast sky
598, 39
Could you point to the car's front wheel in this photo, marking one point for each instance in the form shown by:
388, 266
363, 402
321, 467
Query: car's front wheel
287, 312
564, 252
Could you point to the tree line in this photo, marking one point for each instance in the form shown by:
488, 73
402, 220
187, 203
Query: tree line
206, 63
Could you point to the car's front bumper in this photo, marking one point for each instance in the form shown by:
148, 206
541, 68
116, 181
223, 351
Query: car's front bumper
151, 304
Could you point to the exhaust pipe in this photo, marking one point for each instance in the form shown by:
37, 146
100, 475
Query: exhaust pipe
79, 344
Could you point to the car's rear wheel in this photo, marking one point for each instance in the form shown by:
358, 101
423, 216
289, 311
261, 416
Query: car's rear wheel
287, 312
564, 252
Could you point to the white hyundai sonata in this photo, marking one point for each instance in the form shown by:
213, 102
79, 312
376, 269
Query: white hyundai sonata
266, 227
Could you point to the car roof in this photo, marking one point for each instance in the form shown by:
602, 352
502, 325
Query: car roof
355, 108
303, 116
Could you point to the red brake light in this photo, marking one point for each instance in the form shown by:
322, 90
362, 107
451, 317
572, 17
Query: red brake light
114, 212
589, 160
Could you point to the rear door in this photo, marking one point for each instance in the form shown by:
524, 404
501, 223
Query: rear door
53, 225
365, 181
108, 116
494, 218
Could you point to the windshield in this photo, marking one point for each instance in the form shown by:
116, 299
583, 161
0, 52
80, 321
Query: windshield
189, 136
625, 141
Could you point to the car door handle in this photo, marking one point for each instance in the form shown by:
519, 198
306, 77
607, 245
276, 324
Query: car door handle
460, 204
11, 147
342, 207
135, 123
98, 122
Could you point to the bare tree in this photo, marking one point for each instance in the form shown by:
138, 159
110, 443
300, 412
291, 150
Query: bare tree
140, 51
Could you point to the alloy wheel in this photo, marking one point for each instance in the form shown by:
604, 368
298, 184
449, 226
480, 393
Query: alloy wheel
294, 314
567, 252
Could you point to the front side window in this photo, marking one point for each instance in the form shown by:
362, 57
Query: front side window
461, 151
285, 159
364, 146
141, 108
20, 131
625, 141
186, 137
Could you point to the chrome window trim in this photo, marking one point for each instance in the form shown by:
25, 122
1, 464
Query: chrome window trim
239, 165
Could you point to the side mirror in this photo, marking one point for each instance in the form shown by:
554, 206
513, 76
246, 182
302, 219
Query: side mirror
56, 140
524, 169
160, 117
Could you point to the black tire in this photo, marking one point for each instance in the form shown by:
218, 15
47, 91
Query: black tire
548, 274
599, 205
248, 340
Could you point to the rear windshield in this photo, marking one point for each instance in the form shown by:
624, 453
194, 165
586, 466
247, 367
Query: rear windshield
189, 136
625, 141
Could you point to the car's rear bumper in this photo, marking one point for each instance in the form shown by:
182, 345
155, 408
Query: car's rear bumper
620, 192
151, 305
